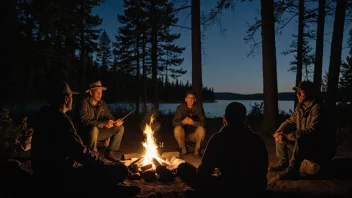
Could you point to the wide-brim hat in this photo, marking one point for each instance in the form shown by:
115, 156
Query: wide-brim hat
58, 89
96, 85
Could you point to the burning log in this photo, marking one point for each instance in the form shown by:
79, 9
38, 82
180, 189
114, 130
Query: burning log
146, 167
129, 156
134, 176
149, 176
165, 175
169, 155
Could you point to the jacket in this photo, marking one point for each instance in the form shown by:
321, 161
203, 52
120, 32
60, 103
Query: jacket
93, 116
239, 170
196, 113
56, 146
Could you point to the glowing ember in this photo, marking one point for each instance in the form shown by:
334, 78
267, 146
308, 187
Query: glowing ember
150, 146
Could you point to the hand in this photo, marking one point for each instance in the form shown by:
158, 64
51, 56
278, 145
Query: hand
118, 122
186, 120
279, 136
109, 124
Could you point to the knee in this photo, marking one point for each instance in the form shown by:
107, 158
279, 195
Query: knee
200, 132
94, 131
120, 130
178, 130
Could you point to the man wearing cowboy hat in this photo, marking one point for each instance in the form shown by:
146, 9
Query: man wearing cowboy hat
308, 130
96, 123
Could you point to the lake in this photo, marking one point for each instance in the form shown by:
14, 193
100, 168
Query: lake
212, 110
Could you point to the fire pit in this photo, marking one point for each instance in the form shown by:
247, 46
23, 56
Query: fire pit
151, 166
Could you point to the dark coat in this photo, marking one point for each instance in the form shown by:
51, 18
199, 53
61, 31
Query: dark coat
56, 146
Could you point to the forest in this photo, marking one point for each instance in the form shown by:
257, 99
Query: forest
59, 39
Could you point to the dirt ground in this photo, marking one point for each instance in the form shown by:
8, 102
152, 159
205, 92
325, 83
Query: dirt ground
334, 187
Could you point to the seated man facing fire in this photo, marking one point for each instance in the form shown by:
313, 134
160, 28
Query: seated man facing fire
235, 160
188, 123
309, 131
60, 161
96, 123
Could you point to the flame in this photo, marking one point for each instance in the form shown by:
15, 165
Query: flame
150, 146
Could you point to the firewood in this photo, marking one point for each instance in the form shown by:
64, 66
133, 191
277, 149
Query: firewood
169, 155
146, 167
149, 176
131, 155
134, 176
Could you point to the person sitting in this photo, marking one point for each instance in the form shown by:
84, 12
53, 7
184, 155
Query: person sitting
60, 160
95, 123
188, 123
309, 131
235, 160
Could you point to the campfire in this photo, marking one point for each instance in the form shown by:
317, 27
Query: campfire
151, 155
151, 166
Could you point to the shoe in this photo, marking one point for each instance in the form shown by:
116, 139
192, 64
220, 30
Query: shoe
112, 155
289, 174
279, 167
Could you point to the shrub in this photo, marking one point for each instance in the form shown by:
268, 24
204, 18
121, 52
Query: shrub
9, 132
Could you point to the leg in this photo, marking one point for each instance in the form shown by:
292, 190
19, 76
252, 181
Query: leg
282, 155
92, 139
179, 134
304, 148
115, 134
199, 136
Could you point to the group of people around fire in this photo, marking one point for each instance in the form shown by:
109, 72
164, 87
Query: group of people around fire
235, 159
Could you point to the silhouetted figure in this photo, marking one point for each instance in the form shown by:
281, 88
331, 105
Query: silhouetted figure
188, 123
60, 161
235, 160
309, 131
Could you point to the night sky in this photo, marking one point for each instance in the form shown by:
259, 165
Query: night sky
225, 64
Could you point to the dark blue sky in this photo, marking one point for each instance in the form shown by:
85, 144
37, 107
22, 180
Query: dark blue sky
225, 65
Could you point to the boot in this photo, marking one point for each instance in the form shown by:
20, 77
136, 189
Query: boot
112, 155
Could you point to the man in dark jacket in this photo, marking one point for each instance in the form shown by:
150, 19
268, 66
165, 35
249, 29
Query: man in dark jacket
59, 159
309, 131
228, 165
96, 123
188, 123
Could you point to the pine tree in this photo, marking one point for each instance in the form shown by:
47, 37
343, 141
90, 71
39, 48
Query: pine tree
104, 51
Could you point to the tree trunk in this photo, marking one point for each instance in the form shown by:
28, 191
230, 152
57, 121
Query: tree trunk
154, 54
83, 57
300, 44
335, 52
319, 47
196, 51
138, 77
269, 67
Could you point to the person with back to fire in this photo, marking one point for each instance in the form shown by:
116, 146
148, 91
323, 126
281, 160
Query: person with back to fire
309, 130
61, 162
188, 123
235, 160
95, 123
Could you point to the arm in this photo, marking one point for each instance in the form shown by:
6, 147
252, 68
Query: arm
80, 153
200, 117
210, 156
177, 119
313, 125
290, 124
